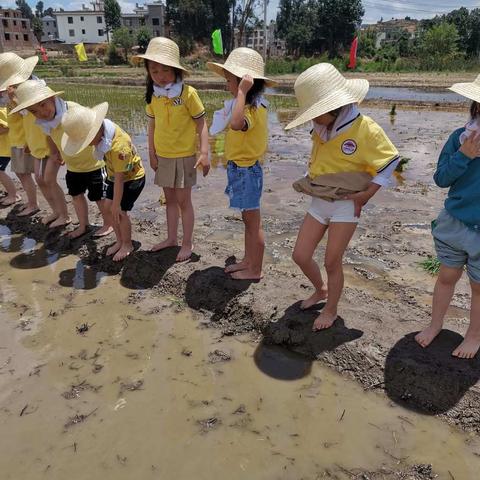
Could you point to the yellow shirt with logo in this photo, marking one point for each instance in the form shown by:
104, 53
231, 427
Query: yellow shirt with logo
4, 141
35, 137
82, 162
364, 147
245, 147
123, 157
175, 128
16, 132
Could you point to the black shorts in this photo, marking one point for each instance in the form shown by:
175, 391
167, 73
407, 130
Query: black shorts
131, 190
4, 161
79, 182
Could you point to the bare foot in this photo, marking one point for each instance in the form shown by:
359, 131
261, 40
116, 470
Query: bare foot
469, 347
60, 222
124, 252
7, 201
165, 244
247, 274
25, 212
324, 320
49, 218
236, 267
78, 232
104, 231
314, 299
113, 249
185, 253
425, 337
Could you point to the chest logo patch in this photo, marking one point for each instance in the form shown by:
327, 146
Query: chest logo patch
177, 102
349, 147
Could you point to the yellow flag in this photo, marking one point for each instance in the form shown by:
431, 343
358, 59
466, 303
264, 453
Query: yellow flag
81, 53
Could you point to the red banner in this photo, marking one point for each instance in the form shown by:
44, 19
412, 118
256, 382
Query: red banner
353, 54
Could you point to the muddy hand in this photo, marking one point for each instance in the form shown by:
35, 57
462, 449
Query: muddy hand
471, 146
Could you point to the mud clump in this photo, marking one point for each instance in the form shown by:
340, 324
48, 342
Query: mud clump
218, 356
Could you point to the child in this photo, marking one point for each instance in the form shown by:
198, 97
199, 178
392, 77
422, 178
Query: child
176, 115
456, 231
351, 159
126, 176
13, 70
84, 172
245, 144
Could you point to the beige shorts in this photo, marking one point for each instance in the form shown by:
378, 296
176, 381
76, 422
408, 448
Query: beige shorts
21, 162
176, 172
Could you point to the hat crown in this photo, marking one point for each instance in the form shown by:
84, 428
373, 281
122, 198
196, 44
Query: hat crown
31, 88
317, 83
246, 59
77, 122
10, 63
163, 47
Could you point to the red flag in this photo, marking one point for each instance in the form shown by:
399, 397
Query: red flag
353, 54
44, 54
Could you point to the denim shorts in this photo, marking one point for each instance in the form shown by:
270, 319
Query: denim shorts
245, 185
457, 245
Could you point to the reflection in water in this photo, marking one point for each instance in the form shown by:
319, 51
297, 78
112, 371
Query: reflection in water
35, 259
81, 277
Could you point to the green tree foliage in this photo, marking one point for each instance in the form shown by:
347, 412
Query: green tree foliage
143, 37
37, 27
367, 40
441, 39
24, 8
124, 39
39, 9
48, 12
113, 15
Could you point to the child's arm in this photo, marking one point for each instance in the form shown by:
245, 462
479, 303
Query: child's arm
360, 199
151, 144
453, 163
202, 131
238, 121
117, 196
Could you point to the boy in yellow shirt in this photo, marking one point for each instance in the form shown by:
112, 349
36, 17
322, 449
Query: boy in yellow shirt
125, 173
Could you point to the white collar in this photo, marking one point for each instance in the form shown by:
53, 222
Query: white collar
48, 125
105, 144
343, 122
171, 90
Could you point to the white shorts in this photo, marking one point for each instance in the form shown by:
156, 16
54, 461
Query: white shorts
333, 212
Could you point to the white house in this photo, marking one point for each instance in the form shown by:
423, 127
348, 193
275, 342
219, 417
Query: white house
50, 30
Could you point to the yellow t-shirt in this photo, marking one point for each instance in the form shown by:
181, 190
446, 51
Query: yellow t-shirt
245, 147
175, 129
83, 161
35, 137
123, 157
16, 132
4, 141
364, 147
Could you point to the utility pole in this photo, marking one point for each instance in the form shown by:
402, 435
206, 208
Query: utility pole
265, 39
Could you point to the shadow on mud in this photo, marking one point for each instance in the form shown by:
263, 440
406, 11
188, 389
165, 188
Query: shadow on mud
82, 277
429, 380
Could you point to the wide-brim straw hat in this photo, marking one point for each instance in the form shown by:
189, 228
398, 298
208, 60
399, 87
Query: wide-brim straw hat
14, 69
471, 90
321, 89
243, 61
80, 125
30, 93
163, 50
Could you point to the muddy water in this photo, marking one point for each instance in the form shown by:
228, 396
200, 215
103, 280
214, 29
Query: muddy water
97, 383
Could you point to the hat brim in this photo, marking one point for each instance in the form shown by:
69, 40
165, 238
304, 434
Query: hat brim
354, 92
468, 90
72, 148
162, 60
34, 101
21, 76
239, 72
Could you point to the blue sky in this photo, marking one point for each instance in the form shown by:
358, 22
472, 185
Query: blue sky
374, 9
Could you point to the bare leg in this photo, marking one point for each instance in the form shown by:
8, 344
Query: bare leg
309, 236
255, 246
243, 264
442, 296
116, 228
30, 188
81, 209
107, 228
172, 221
339, 236
470, 346
58, 197
46, 192
12, 195
126, 236
184, 200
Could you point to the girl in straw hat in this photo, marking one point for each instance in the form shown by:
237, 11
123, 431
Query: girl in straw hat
456, 231
126, 176
14, 70
176, 115
351, 159
246, 118
84, 171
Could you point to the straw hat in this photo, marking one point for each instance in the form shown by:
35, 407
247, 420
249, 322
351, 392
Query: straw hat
14, 69
242, 61
30, 93
321, 89
80, 125
470, 90
163, 50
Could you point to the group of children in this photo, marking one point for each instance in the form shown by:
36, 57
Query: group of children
351, 159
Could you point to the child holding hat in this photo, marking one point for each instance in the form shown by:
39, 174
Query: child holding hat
85, 127
246, 118
456, 231
176, 115
351, 159
84, 171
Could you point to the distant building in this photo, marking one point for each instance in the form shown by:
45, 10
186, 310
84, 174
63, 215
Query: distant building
385, 30
16, 33
255, 39
50, 29
150, 15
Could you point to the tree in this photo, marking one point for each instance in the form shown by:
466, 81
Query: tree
24, 8
143, 37
39, 9
440, 40
367, 43
113, 16
48, 12
124, 39
37, 27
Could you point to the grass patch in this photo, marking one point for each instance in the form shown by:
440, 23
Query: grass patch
431, 265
